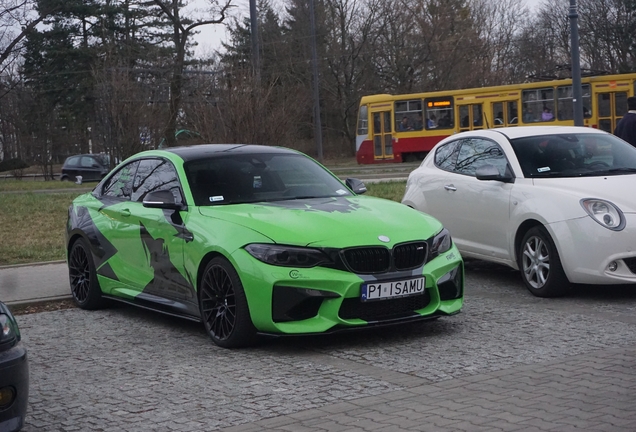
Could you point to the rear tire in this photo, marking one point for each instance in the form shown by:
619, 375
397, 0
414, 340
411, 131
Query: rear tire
540, 264
223, 306
85, 288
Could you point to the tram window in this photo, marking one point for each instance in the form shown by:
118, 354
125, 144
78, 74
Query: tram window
439, 113
538, 105
412, 110
620, 104
477, 117
363, 120
565, 107
513, 113
604, 105
464, 116
498, 114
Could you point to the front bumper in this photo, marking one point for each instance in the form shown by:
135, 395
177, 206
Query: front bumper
322, 300
14, 379
587, 249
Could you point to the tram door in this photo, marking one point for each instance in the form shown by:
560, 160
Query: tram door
382, 135
611, 108
471, 117
504, 114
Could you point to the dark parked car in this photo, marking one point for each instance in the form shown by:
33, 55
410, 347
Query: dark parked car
14, 374
91, 167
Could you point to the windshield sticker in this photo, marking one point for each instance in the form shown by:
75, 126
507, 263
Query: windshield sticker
258, 182
341, 192
216, 198
544, 169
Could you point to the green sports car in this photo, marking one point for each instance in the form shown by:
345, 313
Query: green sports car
254, 240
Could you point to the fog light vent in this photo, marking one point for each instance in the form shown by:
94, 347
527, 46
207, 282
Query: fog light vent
7, 396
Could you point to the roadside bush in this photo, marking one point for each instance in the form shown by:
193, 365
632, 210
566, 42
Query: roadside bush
15, 165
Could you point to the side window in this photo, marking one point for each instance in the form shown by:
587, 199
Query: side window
439, 113
475, 153
119, 185
446, 155
88, 162
363, 119
565, 108
408, 115
155, 175
538, 105
73, 161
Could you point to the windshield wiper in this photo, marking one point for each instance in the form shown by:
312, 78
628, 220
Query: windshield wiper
548, 174
621, 170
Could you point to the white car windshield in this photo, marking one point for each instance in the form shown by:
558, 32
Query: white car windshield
248, 178
574, 155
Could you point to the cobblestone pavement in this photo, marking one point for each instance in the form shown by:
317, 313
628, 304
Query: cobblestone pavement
509, 362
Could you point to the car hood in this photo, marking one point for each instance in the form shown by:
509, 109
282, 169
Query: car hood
618, 189
330, 222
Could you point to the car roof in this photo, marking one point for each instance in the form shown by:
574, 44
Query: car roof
202, 151
85, 154
526, 131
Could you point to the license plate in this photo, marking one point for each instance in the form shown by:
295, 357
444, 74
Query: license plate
392, 289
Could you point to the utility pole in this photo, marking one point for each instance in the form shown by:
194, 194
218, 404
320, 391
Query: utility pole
314, 64
577, 97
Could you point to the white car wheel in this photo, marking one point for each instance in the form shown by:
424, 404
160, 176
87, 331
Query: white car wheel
540, 265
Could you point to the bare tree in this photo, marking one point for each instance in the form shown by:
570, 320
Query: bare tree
499, 25
183, 27
346, 41
607, 34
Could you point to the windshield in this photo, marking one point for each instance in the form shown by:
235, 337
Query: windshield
248, 178
574, 155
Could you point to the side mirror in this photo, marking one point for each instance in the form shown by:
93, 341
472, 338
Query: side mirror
490, 172
356, 185
161, 199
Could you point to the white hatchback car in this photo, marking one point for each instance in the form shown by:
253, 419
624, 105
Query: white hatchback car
557, 203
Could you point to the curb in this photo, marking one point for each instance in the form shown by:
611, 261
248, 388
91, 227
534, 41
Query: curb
8, 266
35, 302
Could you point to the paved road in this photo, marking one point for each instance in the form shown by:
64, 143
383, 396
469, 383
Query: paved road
509, 362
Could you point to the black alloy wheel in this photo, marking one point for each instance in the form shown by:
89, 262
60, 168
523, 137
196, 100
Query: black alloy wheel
223, 305
85, 288
540, 264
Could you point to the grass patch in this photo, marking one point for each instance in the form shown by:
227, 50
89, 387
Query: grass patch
32, 226
393, 190
12, 185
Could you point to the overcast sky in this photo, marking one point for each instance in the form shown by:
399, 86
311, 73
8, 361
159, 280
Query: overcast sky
211, 35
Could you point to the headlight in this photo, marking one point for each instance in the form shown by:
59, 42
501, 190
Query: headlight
441, 243
9, 333
605, 213
287, 256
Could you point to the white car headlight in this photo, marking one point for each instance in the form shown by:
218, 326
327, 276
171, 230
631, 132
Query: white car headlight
605, 213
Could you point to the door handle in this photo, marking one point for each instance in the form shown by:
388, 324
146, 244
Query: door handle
125, 212
450, 187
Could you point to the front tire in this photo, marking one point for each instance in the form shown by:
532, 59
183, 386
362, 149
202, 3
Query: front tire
223, 306
85, 288
540, 264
